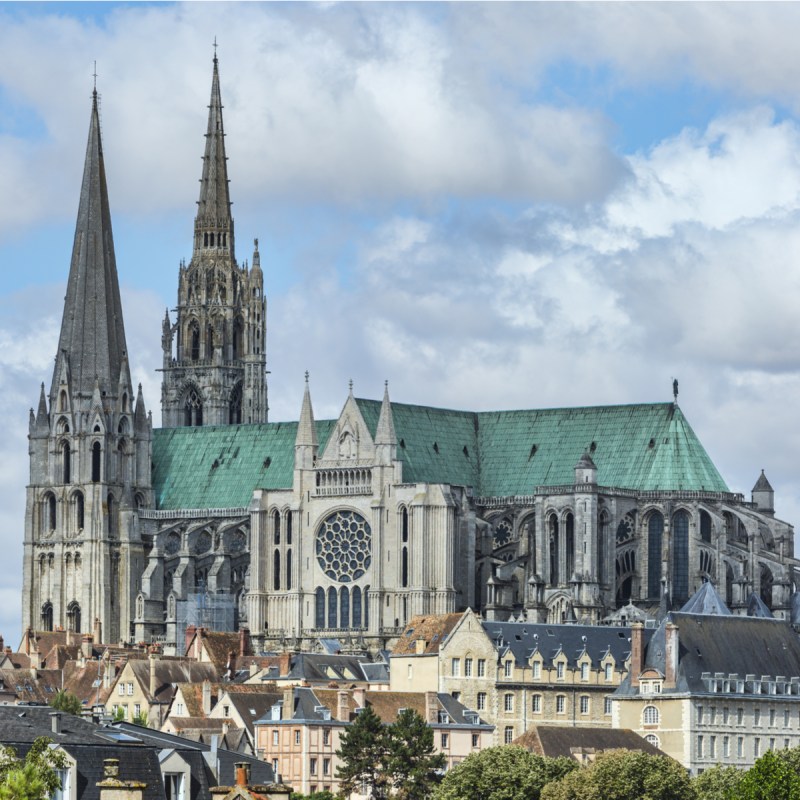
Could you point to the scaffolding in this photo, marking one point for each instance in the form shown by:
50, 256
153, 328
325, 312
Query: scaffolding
214, 611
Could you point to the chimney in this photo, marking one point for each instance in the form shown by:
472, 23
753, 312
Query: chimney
108, 673
420, 645
111, 768
637, 652
253, 669
671, 656
242, 773
86, 645
112, 788
342, 706
288, 702
284, 663
206, 697
55, 722
360, 697
153, 679
2, 643
98, 630
244, 641
431, 707
190, 632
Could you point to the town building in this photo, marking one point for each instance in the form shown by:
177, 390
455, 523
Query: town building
349, 527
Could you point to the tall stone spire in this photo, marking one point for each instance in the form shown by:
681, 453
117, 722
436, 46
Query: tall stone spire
385, 437
91, 347
305, 444
214, 224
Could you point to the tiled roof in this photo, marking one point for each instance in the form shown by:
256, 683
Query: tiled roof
432, 629
498, 453
169, 673
218, 646
32, 685
554, 741
253, 706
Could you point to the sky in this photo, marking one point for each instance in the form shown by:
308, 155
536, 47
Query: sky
489, 205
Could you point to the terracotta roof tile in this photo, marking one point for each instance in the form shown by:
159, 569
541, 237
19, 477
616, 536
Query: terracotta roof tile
432, 629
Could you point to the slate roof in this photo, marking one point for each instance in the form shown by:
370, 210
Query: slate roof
554, 741
499, 453
706, 600
88, 743
253, 705
522, 638
432, 629
762, 484
322, 668
169, 673
32, 685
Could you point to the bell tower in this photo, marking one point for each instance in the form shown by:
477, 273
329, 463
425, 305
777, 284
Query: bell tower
214, 368
89, 444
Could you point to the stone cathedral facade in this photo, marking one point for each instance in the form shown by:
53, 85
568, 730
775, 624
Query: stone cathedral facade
345, 528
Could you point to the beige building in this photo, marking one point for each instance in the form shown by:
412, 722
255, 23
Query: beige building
301, 734
517, 674
711, 688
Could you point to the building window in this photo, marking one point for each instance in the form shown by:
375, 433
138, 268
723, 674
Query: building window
560, 670
561, 704
584, 706
467, 667
179, 709
740, 716
481, 667
137, 709
275, 765
726, 747
481, 701
508, 735
653, 740
130, 688
607, 705
326, 766
725, 715
786, 721
297, 737
121, 688
444, 741
455, 667
756, 747
475, 740
740, 746
275, 735
312, 766
712, 746
507, 668
650, 715
536, 704
226, 711
757, 717
772, 717
609, 672
326, 737
584, 672
537, 670
699, 715
508, 703
699, 746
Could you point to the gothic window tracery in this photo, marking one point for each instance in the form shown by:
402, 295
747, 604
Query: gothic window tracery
192, 408
235, 405
680, 556
74, 617
47, 617
502, 533
344, 546
655, 533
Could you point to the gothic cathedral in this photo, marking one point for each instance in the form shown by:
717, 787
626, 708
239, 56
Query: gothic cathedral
345, 528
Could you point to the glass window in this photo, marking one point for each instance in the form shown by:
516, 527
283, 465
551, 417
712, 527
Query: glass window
739, 716
537, 670
508, 735
757, 717
699, 715
507, 668
297, 737
607, 705
467, 667
275, 735
481, 667
445, 742
699, 746
326, 766
712, 746
655, 531
326, 737
653, 740
740, 746
726, 747
536, 705
584, 706
584, 672
455, 667
725, 715
609, 672
560, 704
475, 740
756, 747
312, 766
481, 701
680, 556
130, 688
772, 717
508, 703
560, 670
650, 715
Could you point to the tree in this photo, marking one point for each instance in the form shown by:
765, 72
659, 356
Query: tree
502, 773
414, 766
34, 777
718, 783
66, 702
624, 775
363, 753
770, 778
141, 719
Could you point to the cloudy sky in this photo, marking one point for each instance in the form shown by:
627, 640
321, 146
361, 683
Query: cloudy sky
489, 205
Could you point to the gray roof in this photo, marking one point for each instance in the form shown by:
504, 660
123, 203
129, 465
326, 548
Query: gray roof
706, 600
762, 484
522, 638
253, 706
756, 607
321, 667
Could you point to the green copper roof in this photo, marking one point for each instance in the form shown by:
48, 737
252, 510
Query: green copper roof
499, 453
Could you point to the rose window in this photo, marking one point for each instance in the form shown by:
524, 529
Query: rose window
625, 529
344, 545
502, 533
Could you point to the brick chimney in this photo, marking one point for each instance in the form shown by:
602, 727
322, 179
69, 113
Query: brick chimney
190, 632
244, 641
242, 773
86, 645
288, 702
342, 706
637, 652
431, 707
671, 656
112, 788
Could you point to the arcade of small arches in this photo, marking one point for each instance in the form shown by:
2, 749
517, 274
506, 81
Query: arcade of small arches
74, 519
203, 343
341, 609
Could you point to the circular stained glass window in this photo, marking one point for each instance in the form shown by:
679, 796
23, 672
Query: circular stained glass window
502, 533
344, 546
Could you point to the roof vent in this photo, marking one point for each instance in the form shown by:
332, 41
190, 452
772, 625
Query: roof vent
592, 447
652, 443
534, 448
267, 462
466, 452
436, 447
403, 443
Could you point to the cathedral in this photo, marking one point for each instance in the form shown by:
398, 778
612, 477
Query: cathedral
344, 528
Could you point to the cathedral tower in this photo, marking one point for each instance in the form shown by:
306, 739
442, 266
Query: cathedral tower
89, 444
215, 373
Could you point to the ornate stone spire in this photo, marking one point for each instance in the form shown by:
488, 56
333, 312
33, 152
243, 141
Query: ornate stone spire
306, 429
91, 346
385, 432
214, 224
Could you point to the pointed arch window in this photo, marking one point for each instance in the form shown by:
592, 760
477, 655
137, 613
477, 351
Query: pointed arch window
319, 620
332, 608
356, 598
193, 408
276, 570
705, 526
405, 524
235, 406
47, 616
50, 511
344, 607
288, 527
680, 556
554, 550
365, 599
112, 510
79, 511
570, 546
276, 527
96, 462
404, 567
288, 569
66, 462
74, 617
194, 341
655, 533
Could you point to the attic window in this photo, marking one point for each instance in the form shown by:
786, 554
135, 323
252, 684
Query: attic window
550, 632
436, 447
592, 447
267, 462
652, 443
534, 448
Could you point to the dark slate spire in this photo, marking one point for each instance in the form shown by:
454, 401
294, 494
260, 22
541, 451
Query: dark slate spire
762, 484
91, 347
214, 206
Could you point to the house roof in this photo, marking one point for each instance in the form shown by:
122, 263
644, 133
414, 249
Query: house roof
323, 668
706, 600
554, 741
432, 629
523, 638
251, 706
498, 453
32, 685
169, 673
218, 646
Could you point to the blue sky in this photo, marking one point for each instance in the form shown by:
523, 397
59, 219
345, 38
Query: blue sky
489, 205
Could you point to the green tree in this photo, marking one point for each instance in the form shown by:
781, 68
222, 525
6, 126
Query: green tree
118, 715
770, 778
718, 783
502, 773
363, 752
413, 765
624, 775
66, 702
34, 777
141, 719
